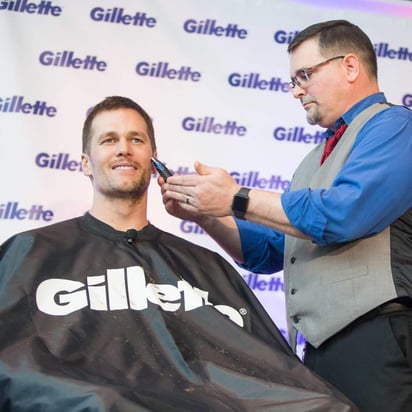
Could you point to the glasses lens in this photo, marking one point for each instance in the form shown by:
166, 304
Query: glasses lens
302, 76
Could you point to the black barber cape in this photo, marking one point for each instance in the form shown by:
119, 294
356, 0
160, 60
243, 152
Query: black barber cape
93, 319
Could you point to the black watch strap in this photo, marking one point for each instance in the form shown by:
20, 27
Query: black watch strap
240, 202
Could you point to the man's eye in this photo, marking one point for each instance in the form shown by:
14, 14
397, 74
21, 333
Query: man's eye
302, 75
109, 140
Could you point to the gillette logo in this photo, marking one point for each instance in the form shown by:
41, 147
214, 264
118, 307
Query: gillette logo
252, 178
123, 289
297, 135
255, 81
25, 6
164, 71
255, 179
210, 125
59, 161
17, 104
384, 50
210, 27
13, 211
68, 59
118, 16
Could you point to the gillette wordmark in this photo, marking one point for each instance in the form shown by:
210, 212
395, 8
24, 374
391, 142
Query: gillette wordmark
30, 7
210, 125
255, 81
385, 51
69, 59
17, 104
118, 15
60, 161
164, 71
12, 210
124, 289
298, 135
210, 27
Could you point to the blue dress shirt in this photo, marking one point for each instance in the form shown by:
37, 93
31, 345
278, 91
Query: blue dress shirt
372, 190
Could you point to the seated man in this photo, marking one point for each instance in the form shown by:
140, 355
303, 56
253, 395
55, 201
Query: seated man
106, 312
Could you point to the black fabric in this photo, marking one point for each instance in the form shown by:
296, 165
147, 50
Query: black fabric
370, 361
92, 321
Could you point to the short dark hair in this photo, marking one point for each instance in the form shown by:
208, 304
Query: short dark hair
340, 37
113, 103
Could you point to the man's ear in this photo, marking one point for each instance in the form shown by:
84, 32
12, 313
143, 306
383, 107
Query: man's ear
86, 165
352, 67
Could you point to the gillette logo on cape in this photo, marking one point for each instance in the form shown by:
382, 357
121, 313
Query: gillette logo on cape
123, 289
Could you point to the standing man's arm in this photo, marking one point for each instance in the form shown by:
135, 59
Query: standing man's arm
209, 199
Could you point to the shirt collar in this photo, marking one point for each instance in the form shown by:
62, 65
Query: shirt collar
100, 228
355, 110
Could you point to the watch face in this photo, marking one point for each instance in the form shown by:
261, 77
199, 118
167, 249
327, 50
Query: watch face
240, 202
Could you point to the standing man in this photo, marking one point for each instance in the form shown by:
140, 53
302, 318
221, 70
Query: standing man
342, 233
105, 312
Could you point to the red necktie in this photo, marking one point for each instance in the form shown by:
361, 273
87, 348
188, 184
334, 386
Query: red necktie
332, 141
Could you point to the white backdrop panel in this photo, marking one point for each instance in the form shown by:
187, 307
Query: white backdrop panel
44, 97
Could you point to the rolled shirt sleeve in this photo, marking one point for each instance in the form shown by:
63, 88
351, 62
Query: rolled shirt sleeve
262, 247
372, 190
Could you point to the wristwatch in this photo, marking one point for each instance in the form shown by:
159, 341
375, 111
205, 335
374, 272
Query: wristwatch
240, 202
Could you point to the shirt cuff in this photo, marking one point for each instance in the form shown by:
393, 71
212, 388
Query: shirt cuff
302, 213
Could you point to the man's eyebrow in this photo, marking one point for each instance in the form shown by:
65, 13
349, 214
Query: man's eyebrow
107, 134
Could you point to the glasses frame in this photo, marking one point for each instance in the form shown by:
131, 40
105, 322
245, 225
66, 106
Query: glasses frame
303, 75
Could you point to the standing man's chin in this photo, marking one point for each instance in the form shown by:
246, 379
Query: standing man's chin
313, 118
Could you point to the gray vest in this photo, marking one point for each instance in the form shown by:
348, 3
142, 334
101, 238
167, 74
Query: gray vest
327, 287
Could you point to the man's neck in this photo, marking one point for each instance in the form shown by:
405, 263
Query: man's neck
121, 214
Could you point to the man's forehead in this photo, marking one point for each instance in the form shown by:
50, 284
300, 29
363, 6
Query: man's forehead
119, 115
304, 55
123, 119
121, 111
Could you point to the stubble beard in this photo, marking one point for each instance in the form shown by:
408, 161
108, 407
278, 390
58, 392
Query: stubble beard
130, 192
313, 116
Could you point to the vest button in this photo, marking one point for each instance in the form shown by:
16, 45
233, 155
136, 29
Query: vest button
293, 291
292, 260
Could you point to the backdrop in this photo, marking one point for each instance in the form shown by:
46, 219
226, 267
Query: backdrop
213, 75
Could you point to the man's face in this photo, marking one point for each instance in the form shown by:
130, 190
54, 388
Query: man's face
119, 160
322, 93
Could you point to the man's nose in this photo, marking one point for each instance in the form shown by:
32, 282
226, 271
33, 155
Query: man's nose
123, 147
298, 92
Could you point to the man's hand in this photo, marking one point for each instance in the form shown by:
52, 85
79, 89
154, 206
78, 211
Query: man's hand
209, 192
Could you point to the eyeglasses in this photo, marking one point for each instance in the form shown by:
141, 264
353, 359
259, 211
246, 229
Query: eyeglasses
302, 76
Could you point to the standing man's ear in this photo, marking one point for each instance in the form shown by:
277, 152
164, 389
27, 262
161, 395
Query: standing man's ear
352, 66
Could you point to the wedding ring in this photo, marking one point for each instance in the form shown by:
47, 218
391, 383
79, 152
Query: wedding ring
187, 198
